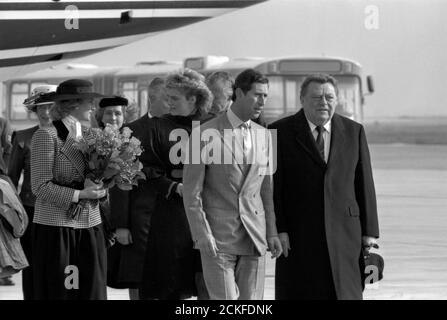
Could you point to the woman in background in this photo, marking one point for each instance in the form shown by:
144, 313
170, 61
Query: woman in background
20, 162
121, 256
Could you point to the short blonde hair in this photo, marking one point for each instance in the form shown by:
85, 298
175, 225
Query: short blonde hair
191, 83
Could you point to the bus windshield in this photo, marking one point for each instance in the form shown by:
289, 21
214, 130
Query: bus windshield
284, 93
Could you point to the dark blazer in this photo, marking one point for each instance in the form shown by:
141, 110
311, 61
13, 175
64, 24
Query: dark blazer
132, 210
170, 263
325, 209
20, 162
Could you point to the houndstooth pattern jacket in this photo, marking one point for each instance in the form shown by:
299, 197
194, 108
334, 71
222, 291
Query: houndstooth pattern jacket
56, 163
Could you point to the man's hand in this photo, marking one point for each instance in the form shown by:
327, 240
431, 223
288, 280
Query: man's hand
368, 243
275, 246
285, 243
207, 245
123, 236
179, 189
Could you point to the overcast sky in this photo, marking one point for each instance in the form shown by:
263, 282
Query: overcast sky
406, 54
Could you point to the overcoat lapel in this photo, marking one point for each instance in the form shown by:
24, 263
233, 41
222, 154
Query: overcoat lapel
338, 139
305, 139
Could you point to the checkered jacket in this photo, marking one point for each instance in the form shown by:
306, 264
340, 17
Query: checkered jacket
56, 163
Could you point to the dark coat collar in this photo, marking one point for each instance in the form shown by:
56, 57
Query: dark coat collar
307, 141
61, 129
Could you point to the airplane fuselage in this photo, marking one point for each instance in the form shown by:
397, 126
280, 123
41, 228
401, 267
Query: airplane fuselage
37, 34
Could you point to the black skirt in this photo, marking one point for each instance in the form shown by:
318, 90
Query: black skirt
26, 241
171, 262
69, 264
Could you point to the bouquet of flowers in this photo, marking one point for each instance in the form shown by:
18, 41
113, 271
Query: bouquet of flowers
112, 158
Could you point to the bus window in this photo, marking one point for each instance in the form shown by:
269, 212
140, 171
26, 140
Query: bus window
349, 100
291, 96
275, 101
143, 99
129, 89
19, 92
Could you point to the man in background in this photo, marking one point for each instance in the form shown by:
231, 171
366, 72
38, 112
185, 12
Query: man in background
158, 100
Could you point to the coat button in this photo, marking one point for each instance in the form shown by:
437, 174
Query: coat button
256, 212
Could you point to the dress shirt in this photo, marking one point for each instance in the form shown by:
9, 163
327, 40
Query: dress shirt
243, 136
326, 137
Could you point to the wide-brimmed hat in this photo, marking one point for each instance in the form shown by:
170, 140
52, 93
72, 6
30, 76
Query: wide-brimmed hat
74, 89
113, 101
39, 96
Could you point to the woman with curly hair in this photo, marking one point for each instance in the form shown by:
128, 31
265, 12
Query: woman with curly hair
171, 262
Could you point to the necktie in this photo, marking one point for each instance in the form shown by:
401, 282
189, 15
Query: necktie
246, 142
320, 141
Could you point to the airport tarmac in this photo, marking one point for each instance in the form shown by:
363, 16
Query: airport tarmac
411, 187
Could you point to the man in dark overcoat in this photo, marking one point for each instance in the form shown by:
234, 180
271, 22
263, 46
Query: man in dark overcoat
324, 196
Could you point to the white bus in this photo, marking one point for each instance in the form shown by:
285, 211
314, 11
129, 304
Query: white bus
286, 75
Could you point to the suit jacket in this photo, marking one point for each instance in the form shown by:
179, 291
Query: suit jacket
325, 208
56, 164
5, 144
237, 211
20, 162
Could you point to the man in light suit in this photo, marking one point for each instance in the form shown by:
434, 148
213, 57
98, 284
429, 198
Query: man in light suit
324, 198
229, 204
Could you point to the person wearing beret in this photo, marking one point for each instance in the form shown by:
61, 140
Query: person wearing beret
69, 251
124, 254
20, 163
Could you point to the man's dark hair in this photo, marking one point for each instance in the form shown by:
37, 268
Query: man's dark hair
318, 78
245, 80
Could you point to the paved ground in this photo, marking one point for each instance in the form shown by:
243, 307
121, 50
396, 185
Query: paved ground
411, 184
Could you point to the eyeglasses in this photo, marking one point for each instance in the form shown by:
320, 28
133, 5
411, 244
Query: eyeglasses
329, 99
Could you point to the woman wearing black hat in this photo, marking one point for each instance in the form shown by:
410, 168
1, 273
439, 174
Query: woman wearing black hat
171, 262
69, 252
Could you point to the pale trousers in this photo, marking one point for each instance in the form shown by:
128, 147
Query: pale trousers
234, 277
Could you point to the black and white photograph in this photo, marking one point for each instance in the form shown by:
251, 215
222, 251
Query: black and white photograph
251, 150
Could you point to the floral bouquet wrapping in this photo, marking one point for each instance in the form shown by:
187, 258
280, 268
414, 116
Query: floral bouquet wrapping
112, 158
